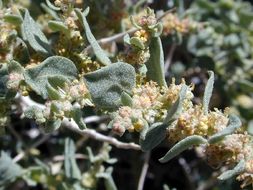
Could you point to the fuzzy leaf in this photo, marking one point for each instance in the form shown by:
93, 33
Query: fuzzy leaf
36, 113
9, 170
176, 108
137, 42
156, 29
71, 169
208, 92
57, 26
13, 19
107, 84
182, 146
99, 52
53, 85
126, 100
126, 39
49, 11
76, 114
51, 125
55, 66
231, 173
51, 6
155, 64
234, 123
34, 36
154, 136
15, 67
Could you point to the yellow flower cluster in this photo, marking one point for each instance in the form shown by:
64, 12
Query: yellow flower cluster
171, 23
194, 121
148, 107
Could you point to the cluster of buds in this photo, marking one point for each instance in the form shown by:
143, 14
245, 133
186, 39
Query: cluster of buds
86, 64
148, 107
64, 5
77, 92
72, 96
172, 24
148, 27
193, 121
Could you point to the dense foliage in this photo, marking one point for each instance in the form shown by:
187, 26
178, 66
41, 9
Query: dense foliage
96, 92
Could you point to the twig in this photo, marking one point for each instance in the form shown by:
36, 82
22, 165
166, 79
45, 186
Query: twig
119, 37
62, 157
98, 136
187, 170
169, 58
144, 171
91, 133
22, 154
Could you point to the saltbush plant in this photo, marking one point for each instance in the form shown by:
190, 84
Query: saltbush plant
55, 74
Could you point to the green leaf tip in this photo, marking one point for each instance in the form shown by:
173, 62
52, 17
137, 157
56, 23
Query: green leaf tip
182, 146
34, 36
70, 165
153, 137
231, 173
9, 170
99, 52
208, 92
233, 124
176, 108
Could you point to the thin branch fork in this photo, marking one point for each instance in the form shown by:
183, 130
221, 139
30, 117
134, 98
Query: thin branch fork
91, 133
98, 136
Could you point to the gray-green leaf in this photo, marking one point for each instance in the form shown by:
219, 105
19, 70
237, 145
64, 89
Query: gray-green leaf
182, 146
234, 123
107, 84
76, 114
154, 136
99, 52
231, 173
34, 36
126, 99
9, 170
155, 64
177, 107
55, 66
70, 165
208, 92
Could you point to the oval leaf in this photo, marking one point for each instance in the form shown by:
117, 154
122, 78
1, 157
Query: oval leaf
55, 66
182, 146
107, 84
34, 36
155, 64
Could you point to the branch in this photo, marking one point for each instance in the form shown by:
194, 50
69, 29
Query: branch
169, 58
91, 133
144, 171
22, 154
119, 37
58, 158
